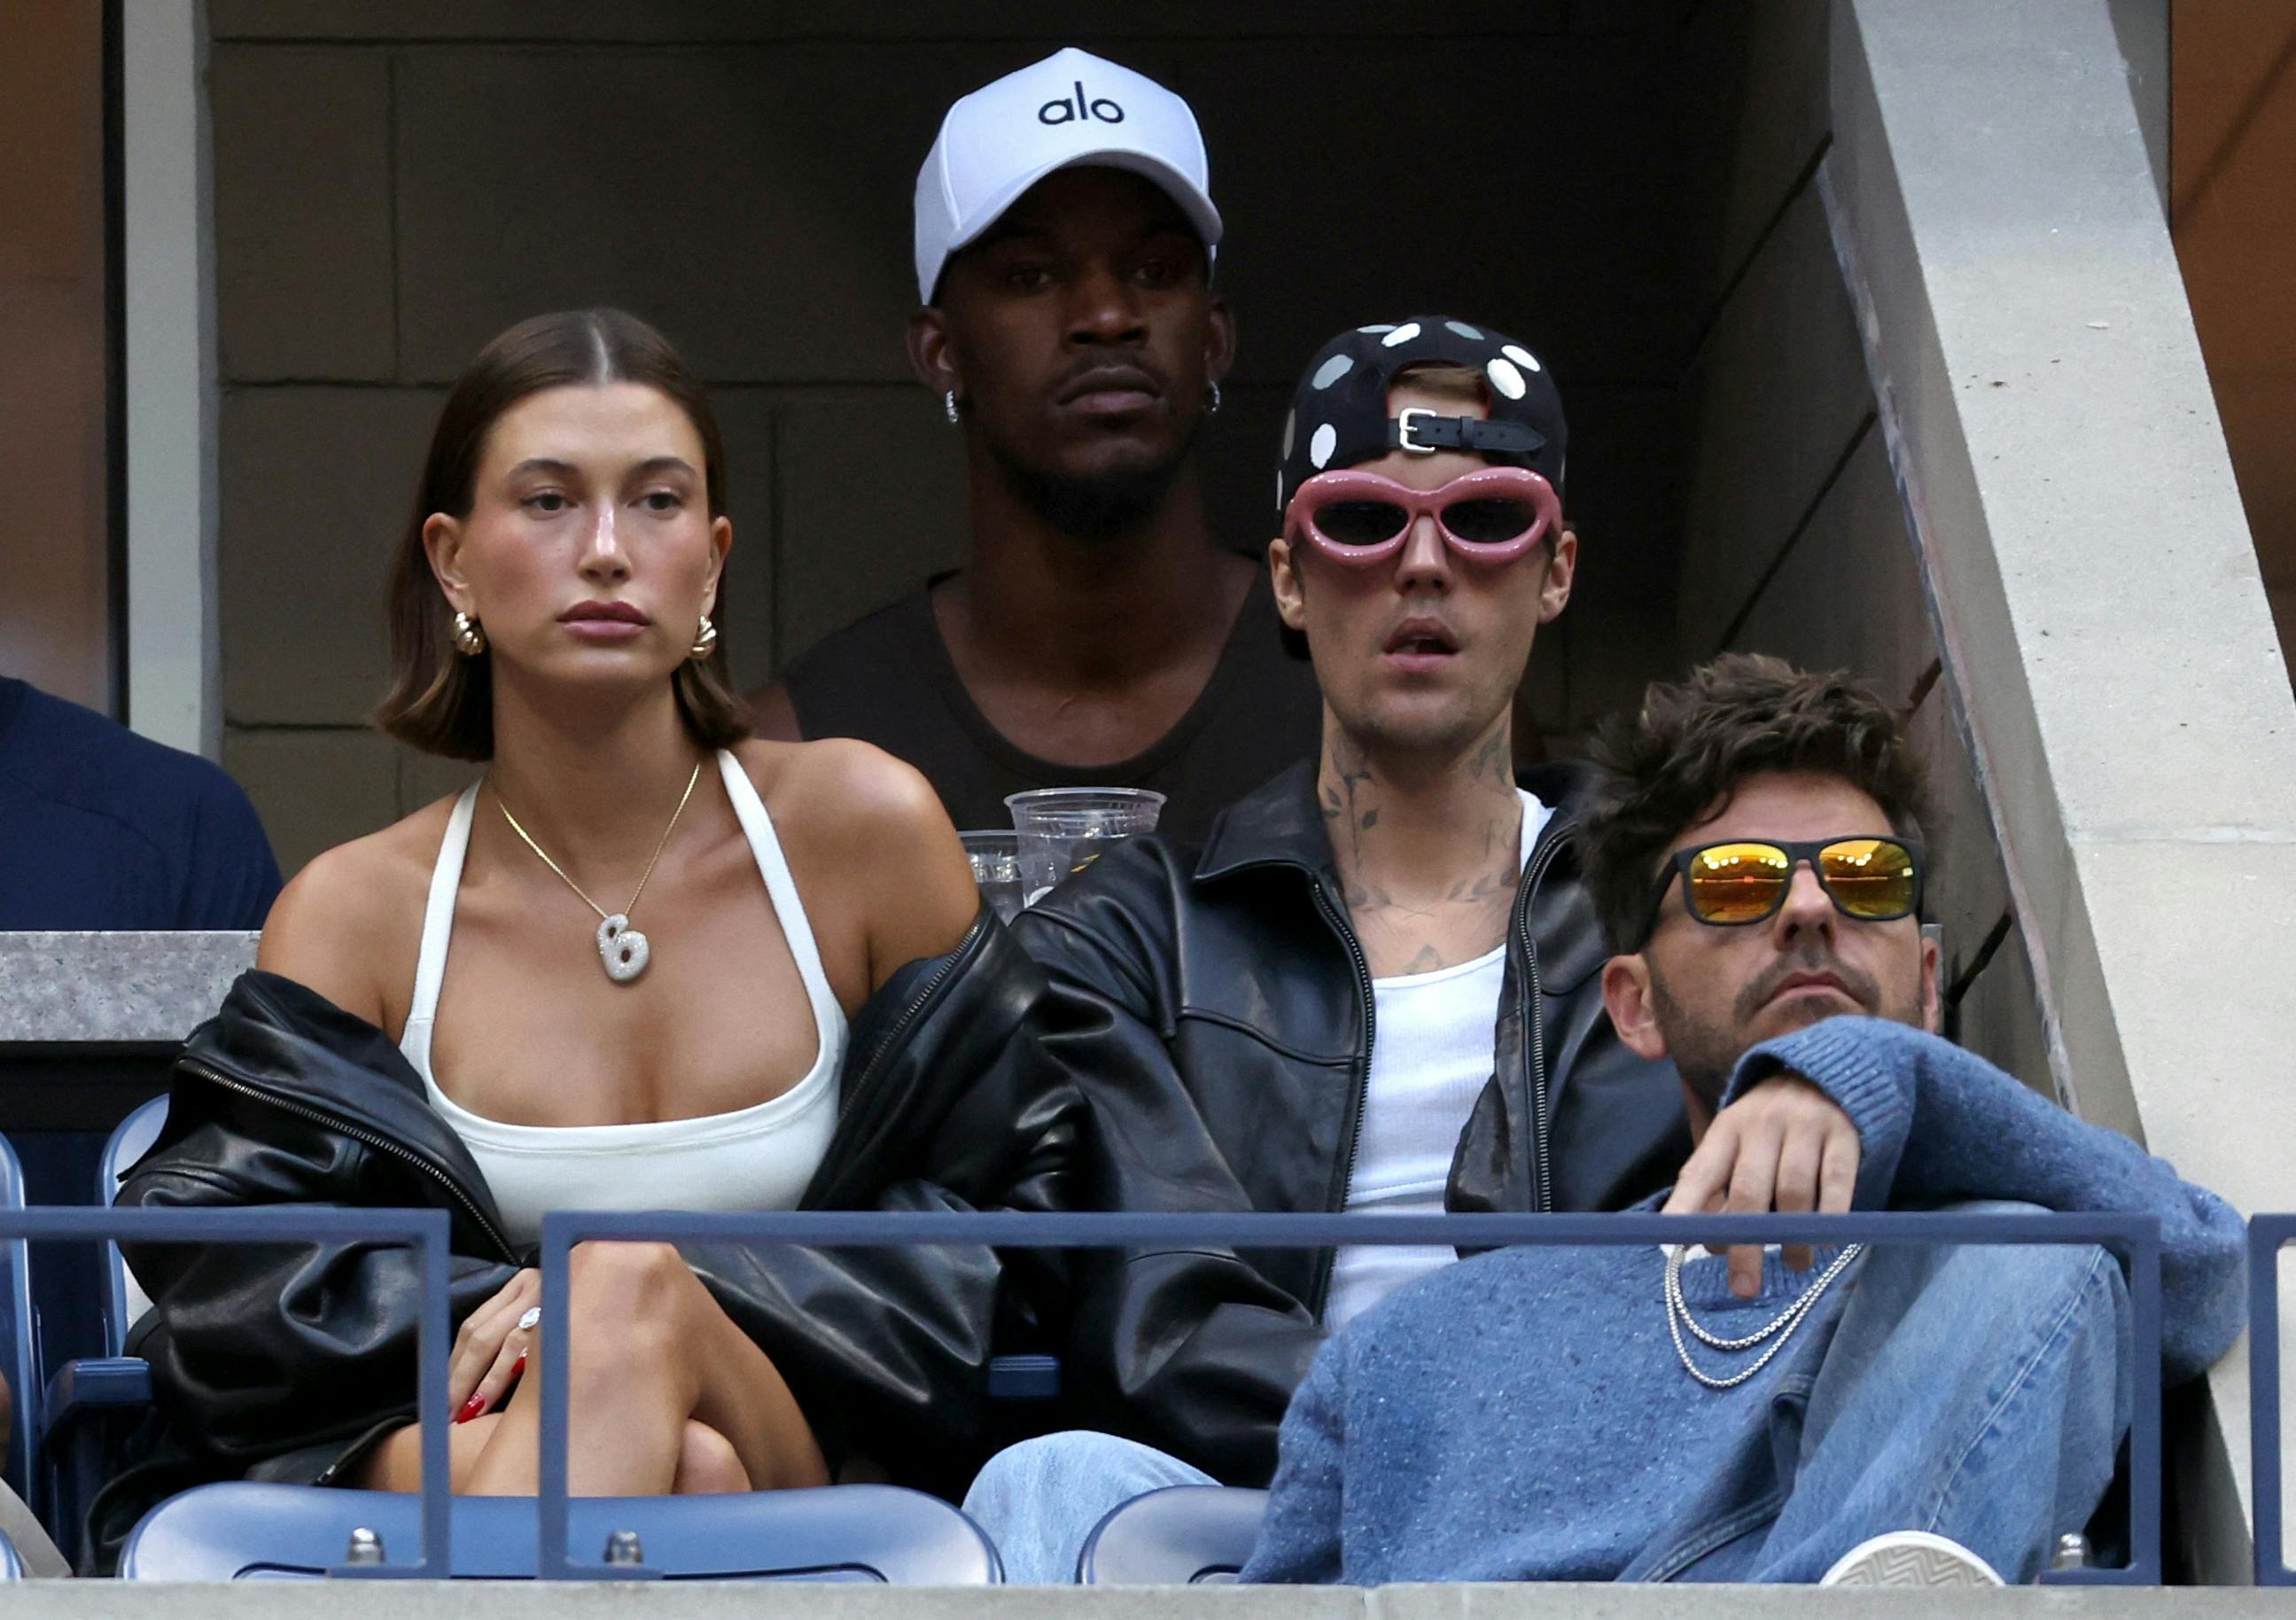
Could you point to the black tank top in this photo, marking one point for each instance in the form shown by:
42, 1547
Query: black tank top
888, 679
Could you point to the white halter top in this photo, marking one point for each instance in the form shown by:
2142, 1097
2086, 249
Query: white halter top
753, 1158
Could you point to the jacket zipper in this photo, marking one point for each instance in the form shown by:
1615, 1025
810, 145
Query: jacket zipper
891, 1040
372, 1139
1334, 1205
1540, 862
916, 1005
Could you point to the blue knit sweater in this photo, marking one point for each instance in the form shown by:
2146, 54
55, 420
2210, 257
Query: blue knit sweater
1523, 1415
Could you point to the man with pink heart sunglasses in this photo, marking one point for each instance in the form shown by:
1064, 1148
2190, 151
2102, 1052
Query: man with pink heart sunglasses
1409, 882
1423, 540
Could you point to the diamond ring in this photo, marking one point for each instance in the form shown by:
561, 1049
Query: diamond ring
531, 1318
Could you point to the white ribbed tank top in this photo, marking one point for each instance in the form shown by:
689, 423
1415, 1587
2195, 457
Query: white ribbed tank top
753, 1158
1429, 1061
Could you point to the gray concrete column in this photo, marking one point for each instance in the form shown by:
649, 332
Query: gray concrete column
2097, 596
167, 277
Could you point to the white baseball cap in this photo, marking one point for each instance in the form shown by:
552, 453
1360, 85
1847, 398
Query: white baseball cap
1071, 108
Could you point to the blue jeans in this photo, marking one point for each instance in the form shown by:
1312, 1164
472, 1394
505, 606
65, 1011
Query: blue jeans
1039, 1500
1977, 1393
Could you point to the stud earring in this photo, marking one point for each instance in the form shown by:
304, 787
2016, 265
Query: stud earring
1212, 410
948, 404
705, 640
470, 638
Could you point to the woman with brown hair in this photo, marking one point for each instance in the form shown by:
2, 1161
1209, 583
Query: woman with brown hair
689, 970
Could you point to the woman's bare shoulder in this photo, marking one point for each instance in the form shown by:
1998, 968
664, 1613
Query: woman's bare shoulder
868, 828
841, 790
350, 922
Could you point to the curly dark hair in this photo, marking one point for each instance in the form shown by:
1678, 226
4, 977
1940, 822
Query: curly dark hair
1677, 763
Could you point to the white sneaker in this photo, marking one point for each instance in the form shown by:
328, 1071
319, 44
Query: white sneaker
1910, 1558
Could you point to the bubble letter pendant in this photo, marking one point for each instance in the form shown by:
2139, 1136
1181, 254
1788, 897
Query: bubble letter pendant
622, 948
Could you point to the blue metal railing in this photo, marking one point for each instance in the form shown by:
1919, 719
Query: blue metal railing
2137, 1236
426, 1230
2266, 1235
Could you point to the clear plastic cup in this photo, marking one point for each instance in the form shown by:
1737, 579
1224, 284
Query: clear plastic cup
1063, 830
997, 868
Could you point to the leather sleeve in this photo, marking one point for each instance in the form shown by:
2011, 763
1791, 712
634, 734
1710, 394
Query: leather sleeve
1193, 1352
260, 1348
952, 1107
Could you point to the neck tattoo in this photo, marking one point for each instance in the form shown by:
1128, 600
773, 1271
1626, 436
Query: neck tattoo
1486, 845
622, 949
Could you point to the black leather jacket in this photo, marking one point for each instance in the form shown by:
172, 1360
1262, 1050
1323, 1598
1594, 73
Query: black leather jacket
290, 1362
1217, 1017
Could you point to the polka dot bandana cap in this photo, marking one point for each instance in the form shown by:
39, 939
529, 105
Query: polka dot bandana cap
1338, 416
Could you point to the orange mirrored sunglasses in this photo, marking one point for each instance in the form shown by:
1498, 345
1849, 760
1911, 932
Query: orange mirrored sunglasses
1872, 877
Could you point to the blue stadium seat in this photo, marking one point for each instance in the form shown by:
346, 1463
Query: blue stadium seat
1181, 1535
131, 1139
1024, 1378
244, 1532
96, 1404
19, 1341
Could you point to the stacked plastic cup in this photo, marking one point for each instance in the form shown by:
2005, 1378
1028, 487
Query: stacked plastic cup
1060, 831
996, 857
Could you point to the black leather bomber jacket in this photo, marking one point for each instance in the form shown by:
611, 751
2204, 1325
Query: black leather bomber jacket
289, 1362
1217, 1018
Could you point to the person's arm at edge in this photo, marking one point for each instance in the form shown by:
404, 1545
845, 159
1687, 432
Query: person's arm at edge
323, 931
1940, 1125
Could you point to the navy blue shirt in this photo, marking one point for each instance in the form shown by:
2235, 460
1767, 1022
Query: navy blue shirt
102, 829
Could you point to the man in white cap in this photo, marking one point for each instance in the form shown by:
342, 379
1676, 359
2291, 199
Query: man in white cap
1098, 635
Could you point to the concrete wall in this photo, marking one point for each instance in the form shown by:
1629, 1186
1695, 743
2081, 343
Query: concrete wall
1796, 541
394, 183
2130, 709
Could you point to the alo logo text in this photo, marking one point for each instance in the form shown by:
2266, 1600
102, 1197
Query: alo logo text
1069, 110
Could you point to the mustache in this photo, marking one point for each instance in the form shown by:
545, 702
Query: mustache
1811, 958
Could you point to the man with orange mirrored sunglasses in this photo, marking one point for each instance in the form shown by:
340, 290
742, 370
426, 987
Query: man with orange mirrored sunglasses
1910, 1415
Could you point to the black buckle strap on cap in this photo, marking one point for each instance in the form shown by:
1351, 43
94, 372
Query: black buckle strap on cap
1342, 415
1423, 433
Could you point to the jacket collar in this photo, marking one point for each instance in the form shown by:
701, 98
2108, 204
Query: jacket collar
285, 1039
1281, 824
1278, 824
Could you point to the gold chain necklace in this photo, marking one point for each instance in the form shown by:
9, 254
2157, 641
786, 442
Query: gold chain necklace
621, 947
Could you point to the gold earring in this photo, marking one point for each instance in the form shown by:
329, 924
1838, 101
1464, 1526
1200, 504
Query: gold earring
705, 640
470, 638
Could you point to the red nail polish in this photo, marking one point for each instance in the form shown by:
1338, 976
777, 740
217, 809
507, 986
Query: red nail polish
471, 1408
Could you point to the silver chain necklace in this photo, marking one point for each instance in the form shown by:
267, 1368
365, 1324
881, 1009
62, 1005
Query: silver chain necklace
1781, 1327
622, 949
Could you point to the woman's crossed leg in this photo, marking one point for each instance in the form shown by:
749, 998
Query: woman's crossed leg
667, 1395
